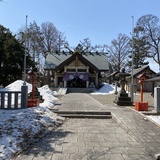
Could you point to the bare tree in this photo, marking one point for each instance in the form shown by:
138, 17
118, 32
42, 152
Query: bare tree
118, 52
50, 35
53, 40
88, 47
61, 42
150, 28
40, 41
35, 40
44, 39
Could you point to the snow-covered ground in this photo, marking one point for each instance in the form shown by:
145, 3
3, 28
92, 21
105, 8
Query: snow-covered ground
20, 128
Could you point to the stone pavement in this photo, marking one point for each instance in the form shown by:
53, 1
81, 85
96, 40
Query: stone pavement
79, 102
128, 136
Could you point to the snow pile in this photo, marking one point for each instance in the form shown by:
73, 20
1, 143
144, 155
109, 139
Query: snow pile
16, 86
20, 128
106, 89
155, 119
47, 96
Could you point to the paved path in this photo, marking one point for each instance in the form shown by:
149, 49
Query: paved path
79, 102
132, 138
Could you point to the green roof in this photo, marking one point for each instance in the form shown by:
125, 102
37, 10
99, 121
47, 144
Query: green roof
99, 60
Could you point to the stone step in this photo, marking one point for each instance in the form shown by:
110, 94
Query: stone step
80, 90
124, 103
82, 112
124, 98
86, 116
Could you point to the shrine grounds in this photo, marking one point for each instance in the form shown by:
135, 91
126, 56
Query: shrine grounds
129, 135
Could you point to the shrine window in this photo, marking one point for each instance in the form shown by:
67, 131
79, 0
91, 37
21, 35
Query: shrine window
71, 70
82, 70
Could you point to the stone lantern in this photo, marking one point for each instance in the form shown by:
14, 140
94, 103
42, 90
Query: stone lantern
122, 98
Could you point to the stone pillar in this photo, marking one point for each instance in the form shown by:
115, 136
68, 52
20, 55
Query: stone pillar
24, 96
157, 99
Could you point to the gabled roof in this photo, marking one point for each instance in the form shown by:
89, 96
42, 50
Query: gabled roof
155, 79
94, 60
53, 60
72, 58
138, 71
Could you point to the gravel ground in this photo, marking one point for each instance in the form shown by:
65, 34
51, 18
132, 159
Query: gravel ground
108, 99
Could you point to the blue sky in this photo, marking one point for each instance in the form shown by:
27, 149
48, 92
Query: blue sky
98, 20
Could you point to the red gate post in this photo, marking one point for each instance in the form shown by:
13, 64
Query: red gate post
33, 102
141, 106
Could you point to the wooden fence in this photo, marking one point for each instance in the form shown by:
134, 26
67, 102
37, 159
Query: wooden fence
14, 99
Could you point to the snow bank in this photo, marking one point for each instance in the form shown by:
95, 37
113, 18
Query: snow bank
20, 128
105, 89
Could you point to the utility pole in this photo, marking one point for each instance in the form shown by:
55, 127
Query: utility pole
24, 87
132, 80
24, 76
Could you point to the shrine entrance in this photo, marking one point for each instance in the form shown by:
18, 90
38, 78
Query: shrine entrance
75, 79
76, 83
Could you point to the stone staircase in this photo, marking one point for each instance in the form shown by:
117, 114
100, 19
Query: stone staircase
84, 114
80, 90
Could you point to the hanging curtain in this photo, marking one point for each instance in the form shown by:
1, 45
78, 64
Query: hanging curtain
70, 76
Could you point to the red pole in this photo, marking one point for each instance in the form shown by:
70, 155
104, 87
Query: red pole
141, 94
32, 89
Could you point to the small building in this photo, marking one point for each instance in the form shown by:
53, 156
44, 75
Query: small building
148, 86
155, 81
77, 69
112, 77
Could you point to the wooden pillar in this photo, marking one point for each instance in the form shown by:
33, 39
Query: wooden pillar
96, 78
141, 91
65, 84
87, 84
56, 80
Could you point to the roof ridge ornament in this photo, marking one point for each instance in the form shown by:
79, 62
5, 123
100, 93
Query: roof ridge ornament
79, 49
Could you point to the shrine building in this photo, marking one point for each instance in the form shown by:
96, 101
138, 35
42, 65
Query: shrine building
78, 70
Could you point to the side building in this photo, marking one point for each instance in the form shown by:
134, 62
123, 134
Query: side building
149, 73
75, 70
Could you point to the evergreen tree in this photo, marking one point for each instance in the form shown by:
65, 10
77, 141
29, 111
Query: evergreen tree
11, 57
140, 50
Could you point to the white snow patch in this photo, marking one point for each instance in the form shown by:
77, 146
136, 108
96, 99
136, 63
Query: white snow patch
106, 89
19, 128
